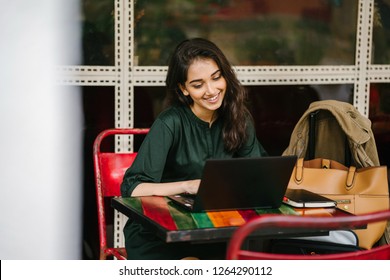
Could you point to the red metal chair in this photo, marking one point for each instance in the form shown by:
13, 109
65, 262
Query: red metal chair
109, 170
279, 222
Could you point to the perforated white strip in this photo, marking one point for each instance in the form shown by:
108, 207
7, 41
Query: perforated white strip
121, 108
379, 74
87, 75
263, 75
363, 55
119, 222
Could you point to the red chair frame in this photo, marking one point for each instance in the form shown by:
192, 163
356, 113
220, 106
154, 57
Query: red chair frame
109, 169
277, 222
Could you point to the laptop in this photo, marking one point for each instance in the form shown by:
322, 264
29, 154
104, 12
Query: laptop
240, 183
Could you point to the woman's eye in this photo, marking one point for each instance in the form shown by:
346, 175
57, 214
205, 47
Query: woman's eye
217, 77
197, 86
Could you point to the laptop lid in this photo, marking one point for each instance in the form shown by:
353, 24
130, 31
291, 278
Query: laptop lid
241, 183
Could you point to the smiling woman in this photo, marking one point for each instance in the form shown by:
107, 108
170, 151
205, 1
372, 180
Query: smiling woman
206, 86
207, 118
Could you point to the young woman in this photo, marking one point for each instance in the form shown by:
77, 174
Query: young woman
207, 118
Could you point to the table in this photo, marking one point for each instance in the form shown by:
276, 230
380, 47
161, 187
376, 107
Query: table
174, 224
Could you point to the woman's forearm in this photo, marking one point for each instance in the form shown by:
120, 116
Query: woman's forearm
164, 189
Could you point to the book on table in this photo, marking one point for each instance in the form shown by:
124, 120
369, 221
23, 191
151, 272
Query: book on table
302, 198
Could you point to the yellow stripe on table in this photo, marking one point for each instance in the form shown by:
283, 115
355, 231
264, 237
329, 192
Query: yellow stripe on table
226, 218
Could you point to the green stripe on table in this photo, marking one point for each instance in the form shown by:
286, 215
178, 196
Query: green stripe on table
287, 210
268, 211
202, 220
283, 209
183, 219
133, 202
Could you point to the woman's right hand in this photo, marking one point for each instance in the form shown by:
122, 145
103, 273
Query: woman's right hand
191, 186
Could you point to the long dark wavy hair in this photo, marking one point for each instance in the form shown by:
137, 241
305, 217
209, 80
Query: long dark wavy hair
233, 111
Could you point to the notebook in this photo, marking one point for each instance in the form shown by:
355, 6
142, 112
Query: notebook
302, 198
240, 183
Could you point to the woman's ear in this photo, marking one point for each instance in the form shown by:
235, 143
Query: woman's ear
183, 90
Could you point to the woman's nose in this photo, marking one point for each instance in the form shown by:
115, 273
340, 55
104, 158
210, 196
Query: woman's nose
210, 88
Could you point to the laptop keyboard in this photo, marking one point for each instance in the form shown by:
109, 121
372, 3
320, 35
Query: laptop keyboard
188, 198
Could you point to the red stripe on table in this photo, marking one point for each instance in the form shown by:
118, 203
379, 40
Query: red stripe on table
248, 214
156, 208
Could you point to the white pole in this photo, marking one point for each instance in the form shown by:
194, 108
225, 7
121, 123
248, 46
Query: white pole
40, 132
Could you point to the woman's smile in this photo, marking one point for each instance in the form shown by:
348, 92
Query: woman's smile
213, 99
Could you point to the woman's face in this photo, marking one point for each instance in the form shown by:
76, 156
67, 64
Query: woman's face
206, 86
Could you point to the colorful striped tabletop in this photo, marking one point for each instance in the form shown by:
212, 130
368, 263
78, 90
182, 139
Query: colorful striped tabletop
176, 224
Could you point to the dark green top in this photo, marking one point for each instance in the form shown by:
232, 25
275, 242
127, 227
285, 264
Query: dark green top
176, 149
177, 146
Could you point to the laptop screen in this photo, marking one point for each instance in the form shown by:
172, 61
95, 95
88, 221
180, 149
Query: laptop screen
243, 183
